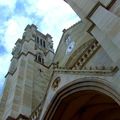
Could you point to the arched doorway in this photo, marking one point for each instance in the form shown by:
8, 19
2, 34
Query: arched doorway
87, 105
85, 99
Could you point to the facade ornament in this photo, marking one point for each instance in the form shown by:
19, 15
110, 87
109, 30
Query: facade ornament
56, 82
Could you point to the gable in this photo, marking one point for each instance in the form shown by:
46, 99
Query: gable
79, 37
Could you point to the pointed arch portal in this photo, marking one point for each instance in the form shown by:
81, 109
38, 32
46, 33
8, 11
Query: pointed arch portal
92, 102
87, 105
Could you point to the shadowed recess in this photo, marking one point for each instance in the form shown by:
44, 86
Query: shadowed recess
87, 105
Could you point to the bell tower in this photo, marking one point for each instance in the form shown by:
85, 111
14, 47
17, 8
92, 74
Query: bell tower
28, 75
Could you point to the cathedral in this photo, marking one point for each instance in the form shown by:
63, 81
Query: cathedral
80, 81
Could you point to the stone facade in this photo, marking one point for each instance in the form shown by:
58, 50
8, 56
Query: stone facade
86, 61
28, 75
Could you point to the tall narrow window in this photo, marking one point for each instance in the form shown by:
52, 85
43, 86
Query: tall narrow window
39, 58
42, 61
37, 40
41, 42
44, 44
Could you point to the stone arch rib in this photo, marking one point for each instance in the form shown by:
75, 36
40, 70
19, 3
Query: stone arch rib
82, 84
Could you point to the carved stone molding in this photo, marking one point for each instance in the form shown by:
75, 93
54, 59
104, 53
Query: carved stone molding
56, 82
89, 52
90, 71
36, 113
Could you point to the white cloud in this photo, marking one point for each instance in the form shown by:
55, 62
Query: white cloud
56, 15
14, 30
9, 3
4, 65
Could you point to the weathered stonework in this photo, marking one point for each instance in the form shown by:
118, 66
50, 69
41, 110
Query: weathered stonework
27, 78
40, 84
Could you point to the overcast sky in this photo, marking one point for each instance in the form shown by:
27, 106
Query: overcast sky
50, 16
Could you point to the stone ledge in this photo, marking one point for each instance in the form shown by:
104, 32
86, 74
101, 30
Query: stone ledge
94, 72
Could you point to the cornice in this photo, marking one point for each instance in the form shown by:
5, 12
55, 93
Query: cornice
98, 72
9, 73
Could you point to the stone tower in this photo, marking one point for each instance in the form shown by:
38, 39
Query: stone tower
27, 78
84, 79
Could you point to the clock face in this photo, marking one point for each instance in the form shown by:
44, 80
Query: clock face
70, 47
70, 44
